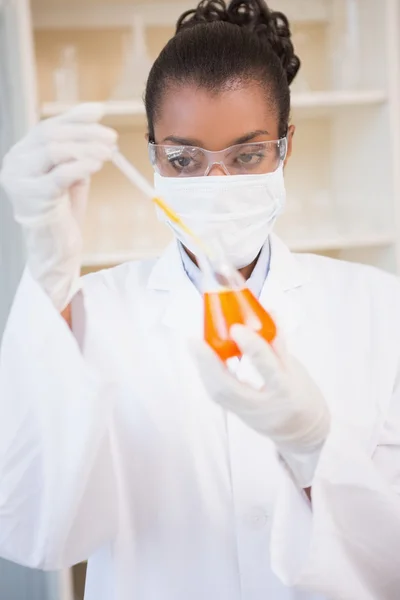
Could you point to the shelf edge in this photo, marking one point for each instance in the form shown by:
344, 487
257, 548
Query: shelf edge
77, 15
313, 100
340, 243
105, 259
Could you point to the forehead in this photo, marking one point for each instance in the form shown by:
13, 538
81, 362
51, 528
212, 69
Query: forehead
215, 120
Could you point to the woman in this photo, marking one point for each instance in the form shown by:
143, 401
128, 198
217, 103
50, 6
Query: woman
119, 444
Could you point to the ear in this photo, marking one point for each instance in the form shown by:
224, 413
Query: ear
146, 137
290, 135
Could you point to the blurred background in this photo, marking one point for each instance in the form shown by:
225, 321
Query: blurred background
343, 179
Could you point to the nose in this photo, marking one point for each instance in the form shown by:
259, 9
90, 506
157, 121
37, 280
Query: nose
217, 169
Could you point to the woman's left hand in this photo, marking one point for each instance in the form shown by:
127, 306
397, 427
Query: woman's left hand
289, 408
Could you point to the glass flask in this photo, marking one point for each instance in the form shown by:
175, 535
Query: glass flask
228, 301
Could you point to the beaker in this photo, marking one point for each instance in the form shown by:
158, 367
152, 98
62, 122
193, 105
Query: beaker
228, 301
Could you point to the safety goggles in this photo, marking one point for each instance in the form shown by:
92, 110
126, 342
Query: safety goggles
240, 159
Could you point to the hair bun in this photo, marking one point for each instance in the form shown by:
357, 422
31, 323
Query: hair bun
207, 11
255, 16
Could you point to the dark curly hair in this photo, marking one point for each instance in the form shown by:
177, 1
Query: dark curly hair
216, 46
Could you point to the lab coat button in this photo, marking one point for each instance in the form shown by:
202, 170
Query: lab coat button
256, 518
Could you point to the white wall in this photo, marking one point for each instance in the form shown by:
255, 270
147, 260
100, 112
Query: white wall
17, 113
12, 123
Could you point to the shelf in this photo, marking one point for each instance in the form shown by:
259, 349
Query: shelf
116, 258
320, 104
337, 99
132, 112
311, 245
340, 243
128, 113
96, 14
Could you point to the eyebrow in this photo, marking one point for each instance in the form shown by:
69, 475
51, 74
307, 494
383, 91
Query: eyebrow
250, 136
247, 137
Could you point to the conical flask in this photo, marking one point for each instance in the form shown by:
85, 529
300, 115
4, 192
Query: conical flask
228, 301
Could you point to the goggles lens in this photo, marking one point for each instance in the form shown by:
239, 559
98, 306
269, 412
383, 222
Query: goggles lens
241, 159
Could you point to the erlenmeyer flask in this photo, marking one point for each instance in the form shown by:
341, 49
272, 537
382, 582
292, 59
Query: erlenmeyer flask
228, 301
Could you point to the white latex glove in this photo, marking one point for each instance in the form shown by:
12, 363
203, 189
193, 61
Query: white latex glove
46, 176
288, 408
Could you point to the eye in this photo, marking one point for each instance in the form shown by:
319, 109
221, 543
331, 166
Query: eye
250, 158
180, 162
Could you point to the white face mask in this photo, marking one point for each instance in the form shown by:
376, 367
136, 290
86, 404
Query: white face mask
238, 210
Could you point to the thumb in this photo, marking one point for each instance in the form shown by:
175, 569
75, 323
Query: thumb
259, 352
212, 370
205, 357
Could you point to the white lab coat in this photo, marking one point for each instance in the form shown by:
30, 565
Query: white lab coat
110, 448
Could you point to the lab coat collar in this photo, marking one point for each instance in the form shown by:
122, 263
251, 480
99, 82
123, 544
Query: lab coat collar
184, 303
279, 296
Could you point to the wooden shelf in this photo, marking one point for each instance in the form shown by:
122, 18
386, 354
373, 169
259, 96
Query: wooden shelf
132, 112
104, 259
338, 99
95, 14
127, 113
311, 245
321, 104
340, 243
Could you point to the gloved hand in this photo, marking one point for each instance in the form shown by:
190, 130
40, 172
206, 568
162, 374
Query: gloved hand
288, 408
46, 176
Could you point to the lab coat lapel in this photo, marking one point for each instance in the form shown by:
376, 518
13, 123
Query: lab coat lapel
280, 293
183, 302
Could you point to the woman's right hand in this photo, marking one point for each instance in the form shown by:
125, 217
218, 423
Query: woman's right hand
46, 176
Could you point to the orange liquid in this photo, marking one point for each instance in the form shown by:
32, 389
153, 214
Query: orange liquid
229, 307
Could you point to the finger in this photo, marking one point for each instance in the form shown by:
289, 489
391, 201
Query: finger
49, 186
68, 174
87, 112
58, 153
51, 155
279, 346
81, 115
63, 177
41, 137
37, 195
257, 350
78, 132
221, 385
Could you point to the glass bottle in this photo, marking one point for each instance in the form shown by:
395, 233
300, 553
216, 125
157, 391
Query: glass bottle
66, 86
136, 63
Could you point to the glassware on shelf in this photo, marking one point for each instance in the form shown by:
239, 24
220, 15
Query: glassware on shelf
345, 44
300, 84
136, 64
292, 223
65, 76
321, 215
144, 218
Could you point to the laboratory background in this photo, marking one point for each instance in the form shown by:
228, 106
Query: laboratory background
343, 180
